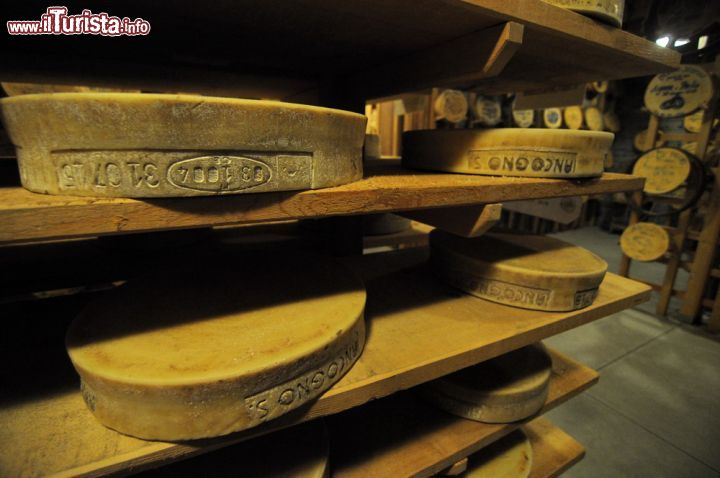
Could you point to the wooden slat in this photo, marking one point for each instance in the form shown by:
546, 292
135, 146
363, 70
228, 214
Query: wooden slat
28, 216
554, 451
418, 330
403, 436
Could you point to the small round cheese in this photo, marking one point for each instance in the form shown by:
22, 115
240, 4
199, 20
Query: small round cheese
573, 117
644, 241
488, 111
600, 86
664, 169
552, 118
504, 389
201, 352
509, 457
508, 151
161, 145
679, 93
532, 272
594, 119
523, 118
451, 105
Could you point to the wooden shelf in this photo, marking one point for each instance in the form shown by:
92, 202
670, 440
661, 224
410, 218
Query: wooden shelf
403, 436
375, 47
27, 216
418, 330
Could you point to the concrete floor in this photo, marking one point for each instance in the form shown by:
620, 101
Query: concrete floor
656, 410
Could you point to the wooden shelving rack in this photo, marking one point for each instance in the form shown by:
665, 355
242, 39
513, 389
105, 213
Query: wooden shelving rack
334, 54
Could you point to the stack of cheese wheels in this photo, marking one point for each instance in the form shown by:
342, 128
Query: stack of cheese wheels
509, 457
608, 11
679, 93
552, 118
532, 272
301, 451
508, 151
664, 169
451, 105
644, 241
198, 353
505, 389
157, 145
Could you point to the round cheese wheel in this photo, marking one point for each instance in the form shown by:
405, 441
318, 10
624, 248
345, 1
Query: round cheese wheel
532, 272
552, 118
664, 169
594, 119
300, 451
488, 111
451, 105
679, 93
693, 123
643, 143
573, 117
505, 389
508, 151
195, 352
608, 11
523, 118
644, 241
509, 457
157, 145
611, 121
600, 86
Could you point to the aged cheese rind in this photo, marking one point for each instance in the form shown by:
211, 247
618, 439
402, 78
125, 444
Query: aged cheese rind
509, 457
508, 152
664, 169
158, 145
531, 272
505, 389
609, 11
644, 241
197, 353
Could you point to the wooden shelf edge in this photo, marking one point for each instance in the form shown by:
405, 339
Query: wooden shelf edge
28, 216
428, 318
403, 436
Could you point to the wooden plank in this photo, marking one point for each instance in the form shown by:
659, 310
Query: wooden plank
404, 436
673, 264
554, 451
28, 216
418, 330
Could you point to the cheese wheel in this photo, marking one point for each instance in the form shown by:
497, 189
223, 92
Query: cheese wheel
643, 143
664, 169
508, 151
505, 389
608, 11
600, 86
552, 118
594, 119
693, 123
679, 93
488, 111
523, 118
157, 145
573, 117
532, 272
611, 121
199, 352
644, 241
509, 457
301, 451
451, 105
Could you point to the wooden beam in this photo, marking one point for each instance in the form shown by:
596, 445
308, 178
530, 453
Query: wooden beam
465, 221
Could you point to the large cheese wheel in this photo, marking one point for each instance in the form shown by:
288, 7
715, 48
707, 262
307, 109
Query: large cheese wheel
488, 111
508, 151
532, 272
509, 457
451, 105
301, 451
196, 353
608, 11
679, 93
664, 169
505, 389
644, 241
552, 118
573, 116
157, 145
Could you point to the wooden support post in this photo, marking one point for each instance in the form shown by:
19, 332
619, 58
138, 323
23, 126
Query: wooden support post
636, 199
677, 242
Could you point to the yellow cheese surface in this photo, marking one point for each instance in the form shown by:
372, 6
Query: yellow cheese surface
161, 145
532, 272
573, 116
608, 11
488, 111
645, 241
523, 118
679, 93
204, 352
664, 169
508, 151
451, 105
552, 118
